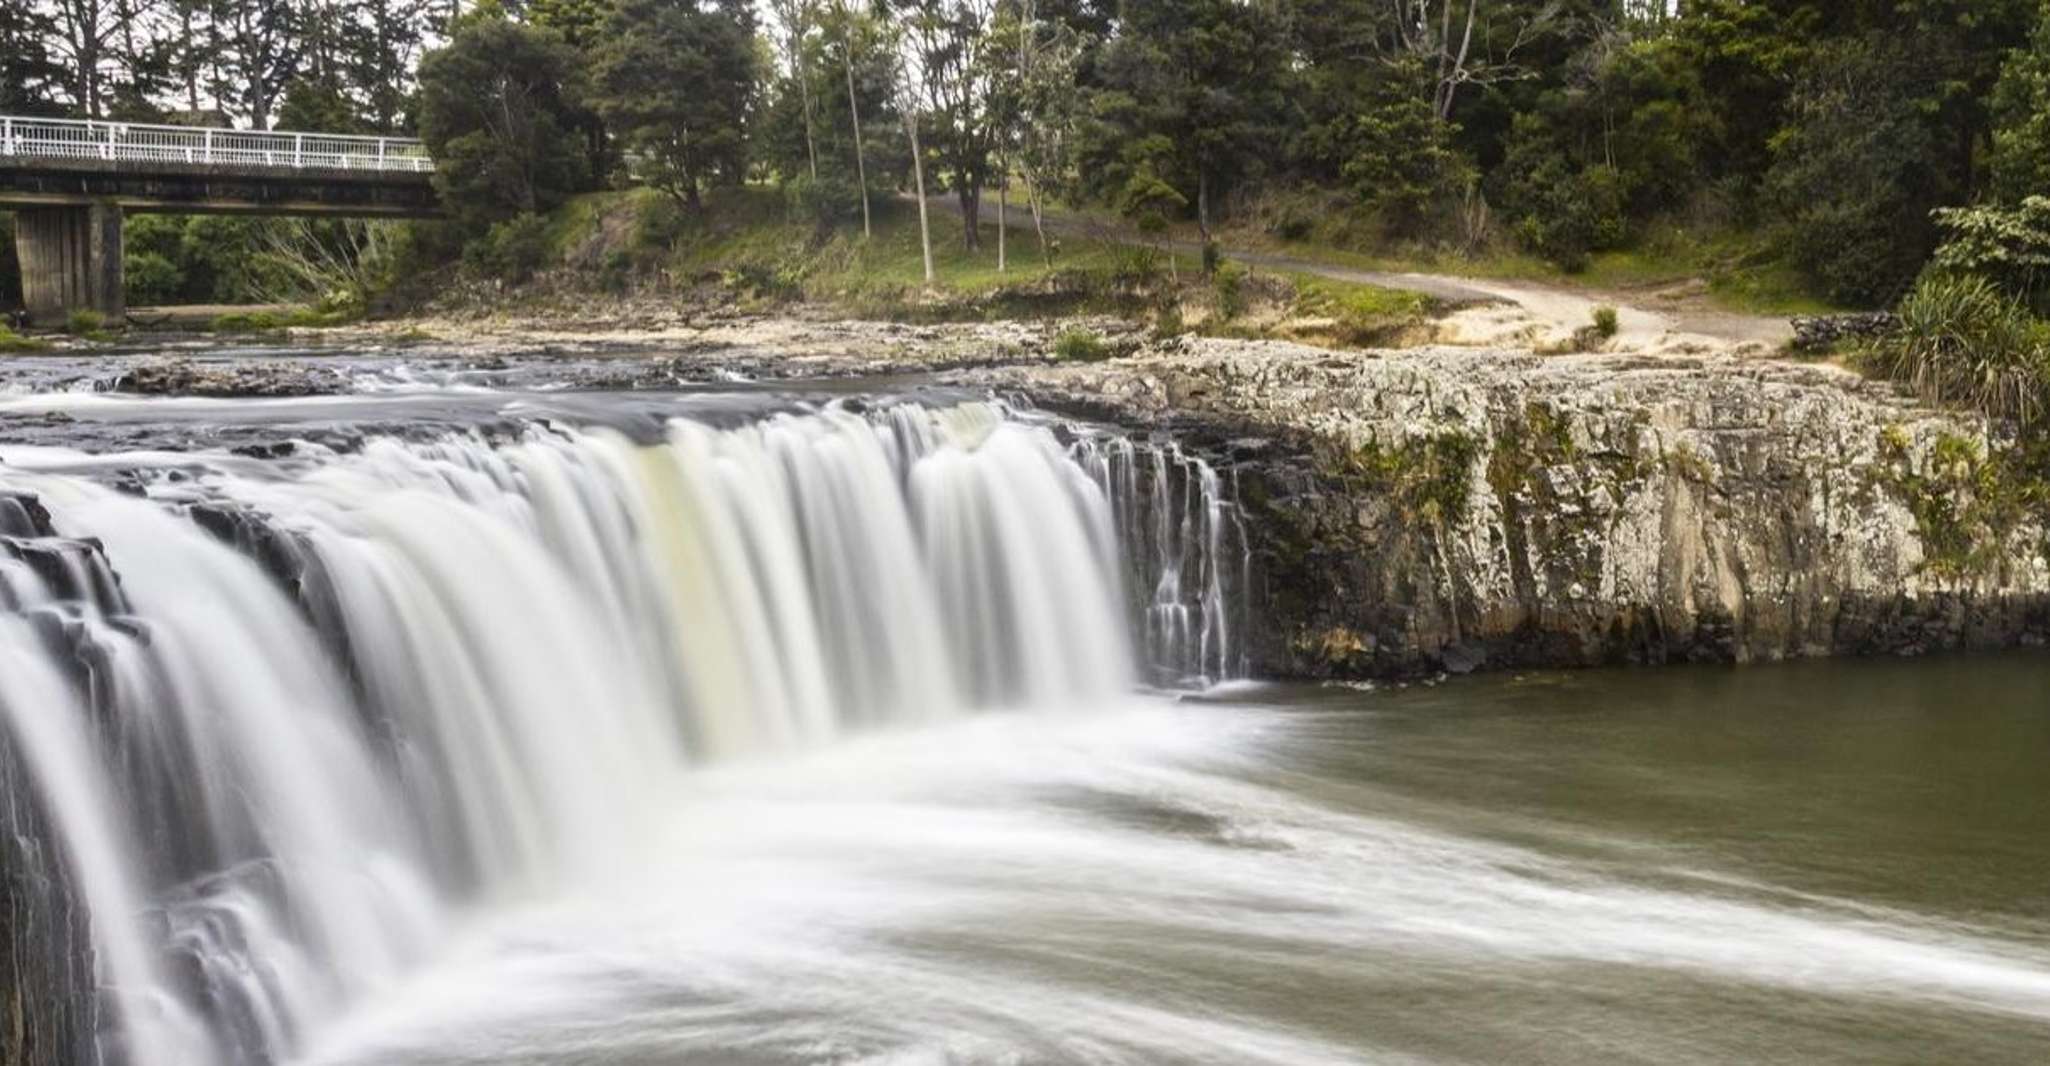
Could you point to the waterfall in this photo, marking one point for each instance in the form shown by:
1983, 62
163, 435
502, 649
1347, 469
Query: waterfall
281, 722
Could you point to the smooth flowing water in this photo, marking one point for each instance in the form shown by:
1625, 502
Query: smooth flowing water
818, 732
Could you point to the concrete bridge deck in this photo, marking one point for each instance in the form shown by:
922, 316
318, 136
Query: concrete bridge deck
70, 182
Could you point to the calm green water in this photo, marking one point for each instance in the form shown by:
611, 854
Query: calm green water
1822, 863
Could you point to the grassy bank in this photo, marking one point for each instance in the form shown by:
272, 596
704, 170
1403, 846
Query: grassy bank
746, 249
1723, 267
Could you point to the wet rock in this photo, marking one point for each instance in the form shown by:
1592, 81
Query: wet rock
184, 377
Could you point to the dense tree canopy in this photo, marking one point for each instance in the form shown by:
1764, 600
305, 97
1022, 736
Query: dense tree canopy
496, 110
675, 80
1830, 130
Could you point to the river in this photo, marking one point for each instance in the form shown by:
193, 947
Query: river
461, 720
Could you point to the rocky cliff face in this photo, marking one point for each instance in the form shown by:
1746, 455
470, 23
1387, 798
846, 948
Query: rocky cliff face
1452, 509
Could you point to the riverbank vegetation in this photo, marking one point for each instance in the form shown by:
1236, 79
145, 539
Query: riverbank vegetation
1780, 155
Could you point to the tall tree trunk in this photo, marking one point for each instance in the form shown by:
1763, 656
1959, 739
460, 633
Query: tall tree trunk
1003, 212
811, 148
970, 197
1038, 218
187, 58
854, 105
918, 175
1203, 203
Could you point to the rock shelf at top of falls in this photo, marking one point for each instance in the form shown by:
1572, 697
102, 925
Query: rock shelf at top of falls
1411, 512
1449, 509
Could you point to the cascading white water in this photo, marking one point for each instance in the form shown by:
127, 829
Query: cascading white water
289, 718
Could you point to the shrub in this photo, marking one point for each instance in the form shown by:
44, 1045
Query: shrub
150, 279
823, 202
659, 222
2008, 246
1080, 346
1961, 340
1230, 285
1169, 323
85, 323
1291, 225
1607, 322
512, 251
763, 280
1135, 264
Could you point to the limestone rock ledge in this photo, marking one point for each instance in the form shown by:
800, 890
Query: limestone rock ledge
1450, 509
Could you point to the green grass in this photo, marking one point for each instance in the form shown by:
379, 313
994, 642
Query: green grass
11, 341
746, 242
86, 323
273, 321
1080, 346
1742, 271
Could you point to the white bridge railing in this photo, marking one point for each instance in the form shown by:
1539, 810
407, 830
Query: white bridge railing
63, 138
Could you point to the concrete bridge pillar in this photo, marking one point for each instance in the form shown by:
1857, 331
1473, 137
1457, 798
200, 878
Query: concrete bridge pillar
70, 260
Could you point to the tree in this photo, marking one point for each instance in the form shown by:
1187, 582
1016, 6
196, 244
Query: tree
1860, 168
797, 18
1397, 152
258, 54
1204, 77
676, 79
381, 56
29, 75
109, 52
496, 113
856, 35
1036, 104
2020, 160
943, 36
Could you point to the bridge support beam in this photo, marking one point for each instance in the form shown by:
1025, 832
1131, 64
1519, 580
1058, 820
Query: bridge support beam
70, 260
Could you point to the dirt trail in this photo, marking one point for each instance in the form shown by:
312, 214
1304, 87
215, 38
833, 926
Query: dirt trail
1490, 312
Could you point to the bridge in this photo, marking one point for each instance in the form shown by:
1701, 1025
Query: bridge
71, 182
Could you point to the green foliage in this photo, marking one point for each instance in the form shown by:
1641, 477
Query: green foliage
11, 341
511, 251
1859, 170
1193, 94
496, 111
1606, 322
2021, 111
1429, 478
85, 323
320, 103
1229, 285
1961, 340
764, 280
150, 279
1555, 208
1398, 158
824, 202
1080, 346
2008, 246
1967, 499
1364, 315
675, 80
274, 321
